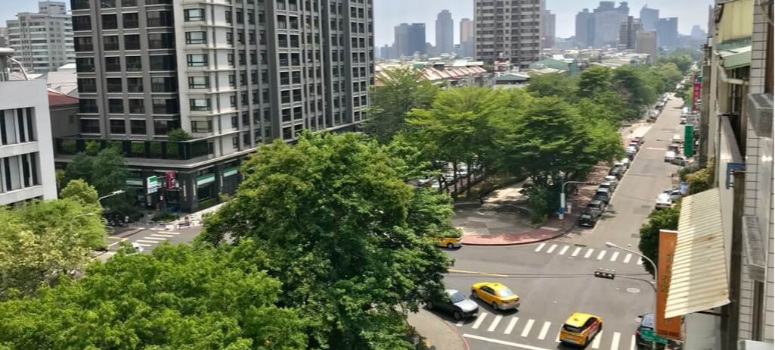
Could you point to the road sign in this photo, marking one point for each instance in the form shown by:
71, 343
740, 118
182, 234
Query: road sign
648, 335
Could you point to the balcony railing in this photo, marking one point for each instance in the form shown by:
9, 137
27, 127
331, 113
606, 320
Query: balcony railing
179, 150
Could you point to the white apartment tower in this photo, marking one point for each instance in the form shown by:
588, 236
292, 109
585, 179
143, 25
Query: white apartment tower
508, 30
42, 41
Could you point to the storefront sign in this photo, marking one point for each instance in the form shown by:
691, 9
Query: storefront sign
229, 172
689, 140
670, 327
205, 179
134, 182
696, 95
171, 182
152, 184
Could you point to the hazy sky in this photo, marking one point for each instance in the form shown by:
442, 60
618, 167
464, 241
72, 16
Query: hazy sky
389, 13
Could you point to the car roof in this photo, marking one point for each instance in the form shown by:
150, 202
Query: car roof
493, 285
451, 291
664, 197
577, 319
602, 190
647, 321
595, 202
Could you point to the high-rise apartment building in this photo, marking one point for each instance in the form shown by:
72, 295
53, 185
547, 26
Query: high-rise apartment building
466, 37
3, 37
628, 32
26, 154
646, 42
667, 32
649, 18
42, 41
409, 39
508, 30
549, 23
231, 73
445, 32
585, 28
608, 19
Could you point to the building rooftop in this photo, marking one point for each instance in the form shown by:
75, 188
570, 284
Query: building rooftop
56, 98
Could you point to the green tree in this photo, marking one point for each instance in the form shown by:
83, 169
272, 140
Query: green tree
43, 240
81, 192
552, 84
594, 81
401, 90
178, 298
663, 219
631, 83
331, 215
179, 135
682, 61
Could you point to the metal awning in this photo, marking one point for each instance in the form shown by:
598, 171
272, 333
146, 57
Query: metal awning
736, 58
699, 278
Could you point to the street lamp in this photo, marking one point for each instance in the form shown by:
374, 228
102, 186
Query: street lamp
111, 194
80, 215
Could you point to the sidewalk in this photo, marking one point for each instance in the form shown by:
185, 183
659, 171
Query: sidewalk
437, 333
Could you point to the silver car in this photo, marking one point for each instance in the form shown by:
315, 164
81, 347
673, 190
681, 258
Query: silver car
455, 304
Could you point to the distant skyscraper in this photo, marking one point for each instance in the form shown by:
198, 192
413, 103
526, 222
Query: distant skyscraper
649, 18
401, 40
517, 40
445, 32
417, 39
43, 41
608, 19
585, 28
646, 42
667, 32
628, 33
466, 37
3, 37
698, 33
549, 24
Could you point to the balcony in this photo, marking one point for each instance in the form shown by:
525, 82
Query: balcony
175, 150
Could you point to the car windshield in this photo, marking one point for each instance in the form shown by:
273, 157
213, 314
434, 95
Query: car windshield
586, 216
456, 297
505, 293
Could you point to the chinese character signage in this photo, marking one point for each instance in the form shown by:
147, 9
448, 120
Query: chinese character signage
671, 327
696, 96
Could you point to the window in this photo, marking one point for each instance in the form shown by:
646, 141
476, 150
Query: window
195, 38
109, 22
137, 127
200, 104
79, 4
161, 41
198, 82
282, 40
130, 20
87, 85
81, 23
202, 126
165, 105
115, 105
107, 3
233, 101
83, 43
134, 84
166, 62
159, 18
110, 42
230, 38
240, 17
133, 63
296, 77
114, 85
228, 16
117, 127
136, 106
192, 15
87, 105
233, 80
163, 84
197, 60
128, 3
113, 64
90, 126
131, 42
163, 127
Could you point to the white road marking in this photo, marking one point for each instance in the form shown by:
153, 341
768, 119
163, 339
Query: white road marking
526, 331
576, 251
640, 261
551, 249
564, 249
503, 342
495, 323
171, 233
596, 342
589, 253
479, 320
143, 245
615, 341
656, 148
601, 255
540, 246
544, 330
161, 235
155, 238
557, 338
549, 228
511, 325
459, 323
144, 241
614, 256
627, 258
633, 345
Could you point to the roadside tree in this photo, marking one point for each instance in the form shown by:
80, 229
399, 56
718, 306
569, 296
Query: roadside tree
665, 219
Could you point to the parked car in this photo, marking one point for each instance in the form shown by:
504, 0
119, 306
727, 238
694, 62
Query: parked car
679, 160
635, 145
630, 152
454, 303
603, 194
683, 120
646, 324
675, 194
587, 219
611, 178
596, 207
495, 294
611, 187
663, 201
616, 171
669, 156
677, 139
639, 139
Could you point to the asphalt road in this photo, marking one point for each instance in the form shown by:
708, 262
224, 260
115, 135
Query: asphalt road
555, 278
148, 238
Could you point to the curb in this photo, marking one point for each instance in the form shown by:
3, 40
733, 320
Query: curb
457, 331
560, 233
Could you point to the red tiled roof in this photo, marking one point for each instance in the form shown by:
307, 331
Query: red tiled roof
56, 98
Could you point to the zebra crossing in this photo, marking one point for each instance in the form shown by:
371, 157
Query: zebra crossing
530, 329
587, 253
155, 238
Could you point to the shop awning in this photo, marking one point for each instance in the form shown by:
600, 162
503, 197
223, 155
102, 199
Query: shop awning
699, 275
736, 58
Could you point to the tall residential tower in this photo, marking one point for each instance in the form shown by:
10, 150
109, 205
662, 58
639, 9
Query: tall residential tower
466, 37
445, 32
42, 41
508, 30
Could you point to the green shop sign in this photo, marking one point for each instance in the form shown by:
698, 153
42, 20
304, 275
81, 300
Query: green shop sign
230, 171
205, 179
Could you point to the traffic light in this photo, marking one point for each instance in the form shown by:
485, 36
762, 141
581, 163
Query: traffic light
605, 273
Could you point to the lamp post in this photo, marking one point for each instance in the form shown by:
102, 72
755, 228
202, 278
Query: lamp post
562, 196
111, 194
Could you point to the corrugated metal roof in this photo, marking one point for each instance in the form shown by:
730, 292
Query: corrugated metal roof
736, 58
699, 275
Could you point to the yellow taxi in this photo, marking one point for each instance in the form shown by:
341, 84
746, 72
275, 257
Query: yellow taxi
580, 328
448, 242
497, 295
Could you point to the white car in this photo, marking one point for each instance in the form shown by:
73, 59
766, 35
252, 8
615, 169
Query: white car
675, 194
677, 139
683, 120
663, 201
138, 248
612, 179
669, 156
626, 162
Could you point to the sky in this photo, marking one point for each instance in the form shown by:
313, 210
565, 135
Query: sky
389, 13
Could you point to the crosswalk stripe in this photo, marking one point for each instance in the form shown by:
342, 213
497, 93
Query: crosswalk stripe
144, 241
161, 235
143, 245
596, 342
526, 331
564, 249
155, 238
614, 256
615, 341
511, 325
589, 253
627, 258
576, 251
540, 246
171, 233
551, 249
544, 330
633, 345
601, 255
479, 320
495, 323
640, 261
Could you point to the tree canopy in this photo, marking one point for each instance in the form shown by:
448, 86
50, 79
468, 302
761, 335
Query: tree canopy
552, 84
664, 219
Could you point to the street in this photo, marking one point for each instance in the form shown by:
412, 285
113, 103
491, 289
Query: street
555, 278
